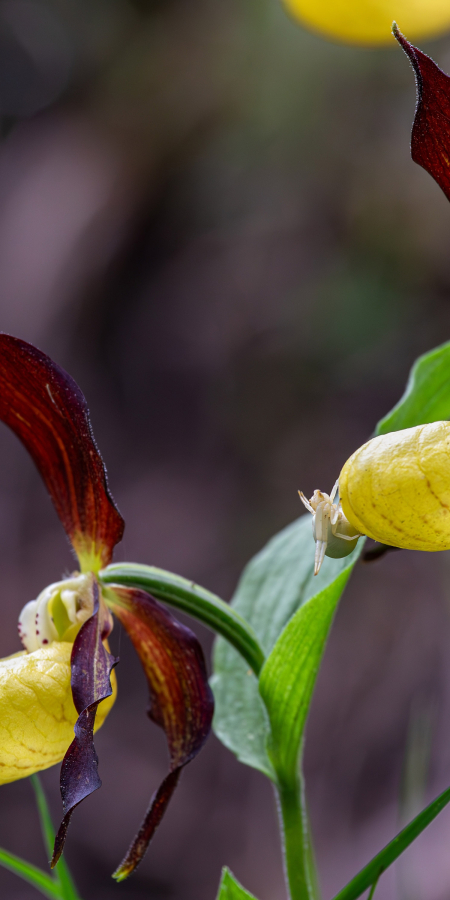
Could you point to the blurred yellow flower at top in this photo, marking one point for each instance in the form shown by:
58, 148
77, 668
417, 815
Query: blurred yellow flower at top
369, 22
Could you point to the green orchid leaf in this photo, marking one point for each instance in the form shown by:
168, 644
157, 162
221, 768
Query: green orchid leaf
191, 599
43, 883
427, 395
370, 874
289, 675
286, 685
230, 889
275, 584
240, 719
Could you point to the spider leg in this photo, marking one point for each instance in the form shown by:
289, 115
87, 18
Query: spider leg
321, 546
347, 537
334, 491
334, 516
306, 503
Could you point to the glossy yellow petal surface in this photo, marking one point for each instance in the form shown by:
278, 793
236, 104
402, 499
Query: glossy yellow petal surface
396, 488
37, 714
369, 21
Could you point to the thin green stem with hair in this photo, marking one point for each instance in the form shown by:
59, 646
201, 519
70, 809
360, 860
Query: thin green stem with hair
56, 886
193, 599
295, 840
61, 872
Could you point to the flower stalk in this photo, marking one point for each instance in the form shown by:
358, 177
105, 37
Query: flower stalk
192, 599
295, 839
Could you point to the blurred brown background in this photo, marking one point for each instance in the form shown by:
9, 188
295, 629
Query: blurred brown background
211, 219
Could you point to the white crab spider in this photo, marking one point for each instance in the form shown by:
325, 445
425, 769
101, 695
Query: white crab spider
332, 532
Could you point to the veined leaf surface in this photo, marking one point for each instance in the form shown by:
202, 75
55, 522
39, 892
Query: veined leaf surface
289, 675
275, 584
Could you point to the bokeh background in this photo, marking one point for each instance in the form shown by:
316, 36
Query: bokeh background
211, 219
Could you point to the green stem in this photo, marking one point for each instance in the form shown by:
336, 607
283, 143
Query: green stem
47, 829
372, 890
311, 861
192, 599
61, 872
294, 826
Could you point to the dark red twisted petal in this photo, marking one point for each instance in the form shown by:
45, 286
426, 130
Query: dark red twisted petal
181, 701
430, 139
45, 408
91, 670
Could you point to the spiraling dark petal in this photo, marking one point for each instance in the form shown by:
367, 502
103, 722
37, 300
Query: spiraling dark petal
181, 701
91, 670
45, 408
430, 139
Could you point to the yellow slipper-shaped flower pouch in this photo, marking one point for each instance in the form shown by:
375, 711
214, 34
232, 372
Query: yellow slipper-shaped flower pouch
37, 714
396, 488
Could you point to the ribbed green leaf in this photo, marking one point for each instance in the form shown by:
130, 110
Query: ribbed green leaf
286, 686
230, 889
427, 395
371, 873
43, 883
289, 675
275, 584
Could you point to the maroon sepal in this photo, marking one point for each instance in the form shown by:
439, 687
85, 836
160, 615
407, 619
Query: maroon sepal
430, 139
181, 701
91, 669
45, 408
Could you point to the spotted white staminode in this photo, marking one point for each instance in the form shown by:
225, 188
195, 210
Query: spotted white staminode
58, 613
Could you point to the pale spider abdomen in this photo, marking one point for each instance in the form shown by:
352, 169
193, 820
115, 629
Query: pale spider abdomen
336, 547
